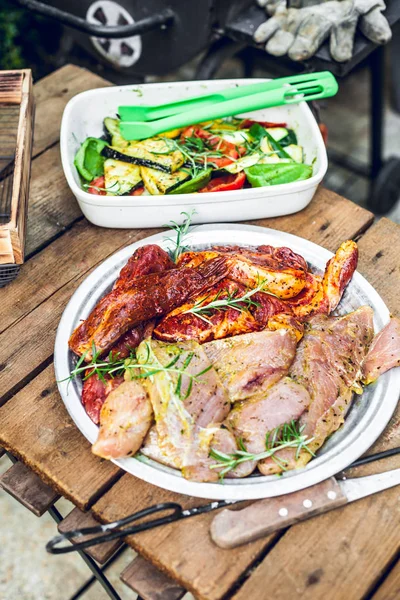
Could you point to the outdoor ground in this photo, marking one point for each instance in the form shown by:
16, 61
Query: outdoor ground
27, 572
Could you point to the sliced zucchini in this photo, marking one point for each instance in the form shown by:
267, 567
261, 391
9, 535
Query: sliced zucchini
278, 133
120, 177
295, 152
139, 154
265, 146
243, 163
291, 138
237, 137
111, 126
157, 153
158, 183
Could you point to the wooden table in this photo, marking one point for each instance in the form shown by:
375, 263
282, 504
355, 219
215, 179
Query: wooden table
347, 554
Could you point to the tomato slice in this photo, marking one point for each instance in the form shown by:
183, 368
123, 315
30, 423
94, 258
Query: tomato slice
247, 123
97, 183
225, 183
137, 192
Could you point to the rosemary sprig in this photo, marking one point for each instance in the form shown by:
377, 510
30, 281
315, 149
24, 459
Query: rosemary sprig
181, 232
113, 366
238, 303
288, 435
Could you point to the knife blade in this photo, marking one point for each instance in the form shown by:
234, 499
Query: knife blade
232, 528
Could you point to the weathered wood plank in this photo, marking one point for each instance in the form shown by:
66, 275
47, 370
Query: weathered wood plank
65, 259
390, 588
29, 342
342, 553
337, 555
183, 550
147, 581
78, 519
26, 487
52, 206
36, 428
52, 94
328, 220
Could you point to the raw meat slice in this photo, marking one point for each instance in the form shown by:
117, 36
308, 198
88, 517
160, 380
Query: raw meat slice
125, 418
384, 352
249, 364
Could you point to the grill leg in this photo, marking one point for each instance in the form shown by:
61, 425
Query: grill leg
220, 51
377, 79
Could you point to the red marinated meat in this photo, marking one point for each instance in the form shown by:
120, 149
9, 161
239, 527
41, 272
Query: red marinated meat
95, 392
149, 296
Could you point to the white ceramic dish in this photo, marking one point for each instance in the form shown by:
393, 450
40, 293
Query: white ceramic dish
364, 423
83, 117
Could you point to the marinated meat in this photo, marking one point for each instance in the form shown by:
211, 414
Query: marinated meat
188, 407
321, 295
251, 420
264, 311
125, 419
94, 393
384, 353
282, 274
251, 363
328, 364
149, 296
145, 260
181, 325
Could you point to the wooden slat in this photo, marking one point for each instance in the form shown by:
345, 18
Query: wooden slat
390, 588
328, 220
52, 94
78, 519
68, 257
26, 487
344, 552
52, 206
183, 550
150, 583
29, 342
36, 428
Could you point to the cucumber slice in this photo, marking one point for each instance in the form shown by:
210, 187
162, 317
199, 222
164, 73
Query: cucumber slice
157, 182
120, 177
295, 152
278, 133
243, 163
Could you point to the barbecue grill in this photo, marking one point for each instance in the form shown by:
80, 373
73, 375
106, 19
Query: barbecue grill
156, 37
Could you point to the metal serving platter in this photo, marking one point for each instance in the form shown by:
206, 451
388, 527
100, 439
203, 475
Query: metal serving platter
365, 421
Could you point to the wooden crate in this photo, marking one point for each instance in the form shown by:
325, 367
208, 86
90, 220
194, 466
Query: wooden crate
16, 134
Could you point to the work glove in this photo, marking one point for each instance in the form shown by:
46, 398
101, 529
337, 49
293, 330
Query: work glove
299, 32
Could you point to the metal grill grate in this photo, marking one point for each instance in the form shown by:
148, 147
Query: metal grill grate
8, 273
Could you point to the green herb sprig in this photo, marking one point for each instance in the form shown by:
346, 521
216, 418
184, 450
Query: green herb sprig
289, 435
238, 303
114, 366
181, 232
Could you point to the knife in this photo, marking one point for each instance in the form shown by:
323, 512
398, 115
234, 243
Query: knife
231, 528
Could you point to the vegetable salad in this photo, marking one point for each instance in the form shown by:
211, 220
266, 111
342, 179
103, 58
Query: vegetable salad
216, 156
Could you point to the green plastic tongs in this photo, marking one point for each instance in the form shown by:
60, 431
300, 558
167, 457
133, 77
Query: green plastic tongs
140, 122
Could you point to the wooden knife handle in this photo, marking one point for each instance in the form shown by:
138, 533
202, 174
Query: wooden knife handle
231, 528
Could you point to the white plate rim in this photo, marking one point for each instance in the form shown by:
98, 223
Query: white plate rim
356, 442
